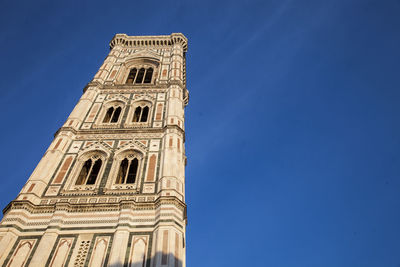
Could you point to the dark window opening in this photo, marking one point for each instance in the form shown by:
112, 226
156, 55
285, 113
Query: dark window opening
139, 78
127, 171
136, 115
145, 114
131, 76
95, 171
112, 115
122, 172
108, 116
116, 114
89, 172
84, 172
132, 172
141, 114
149, 74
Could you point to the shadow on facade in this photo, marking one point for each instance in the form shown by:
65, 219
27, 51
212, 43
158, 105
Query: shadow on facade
160, 259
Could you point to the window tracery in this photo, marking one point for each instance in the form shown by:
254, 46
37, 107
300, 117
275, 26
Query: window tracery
128, 169
143, 75
125, 172
112, 115
86, 173
141, 114
89, 171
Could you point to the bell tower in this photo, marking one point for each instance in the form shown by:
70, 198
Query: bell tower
110, 189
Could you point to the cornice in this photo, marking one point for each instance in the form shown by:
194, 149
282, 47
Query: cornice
145, 87
100, 131
93, 207
159, 41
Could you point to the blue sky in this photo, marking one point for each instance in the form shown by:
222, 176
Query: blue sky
293, 133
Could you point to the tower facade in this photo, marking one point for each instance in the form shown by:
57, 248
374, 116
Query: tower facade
110, 189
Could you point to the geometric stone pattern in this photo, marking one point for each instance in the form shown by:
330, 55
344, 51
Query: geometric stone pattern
110, 189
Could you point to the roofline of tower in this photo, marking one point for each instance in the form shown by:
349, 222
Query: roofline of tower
149, 40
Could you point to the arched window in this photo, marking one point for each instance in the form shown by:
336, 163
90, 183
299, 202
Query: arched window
149, 74
108, 115
127, 170
112, 115
131, 76
89, 172
141, 114
144, 75
137, 114
116, 114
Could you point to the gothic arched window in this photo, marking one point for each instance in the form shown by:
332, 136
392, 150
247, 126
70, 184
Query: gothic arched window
141, 114
127, 170
112, 115
144, 75
131, 76
89, 171
149, 74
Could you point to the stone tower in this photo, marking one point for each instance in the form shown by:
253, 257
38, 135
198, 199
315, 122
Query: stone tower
110, 189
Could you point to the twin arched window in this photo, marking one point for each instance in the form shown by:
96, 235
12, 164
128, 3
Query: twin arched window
91, 166
112, 115
89, 172
127, 170
141, 114
140, 76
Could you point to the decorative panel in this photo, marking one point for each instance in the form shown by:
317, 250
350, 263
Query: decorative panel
99, 252
137, 256
22, 253
61, 253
